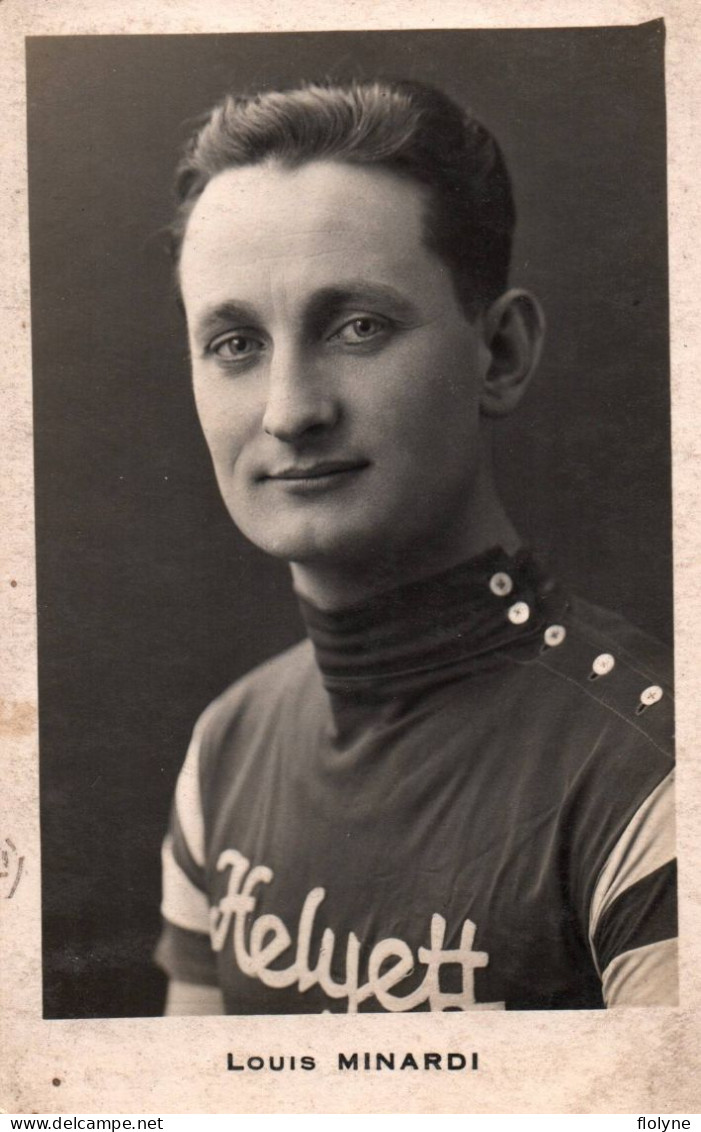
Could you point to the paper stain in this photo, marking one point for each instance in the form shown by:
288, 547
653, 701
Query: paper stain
17, 718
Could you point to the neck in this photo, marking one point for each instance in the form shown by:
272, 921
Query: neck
333, 586
429, 633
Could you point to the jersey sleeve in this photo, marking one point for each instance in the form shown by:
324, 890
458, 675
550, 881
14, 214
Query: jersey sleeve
184, 951
633, 912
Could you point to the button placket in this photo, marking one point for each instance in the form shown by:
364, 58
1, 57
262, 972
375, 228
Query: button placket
554, 635
501, 584
603, 664
648, 697
518, 613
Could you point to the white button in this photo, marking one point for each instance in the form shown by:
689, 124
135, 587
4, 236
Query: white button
554, 635
603, 664
518, 613
501, 584
651, 695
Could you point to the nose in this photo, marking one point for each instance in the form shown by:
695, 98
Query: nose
299, 398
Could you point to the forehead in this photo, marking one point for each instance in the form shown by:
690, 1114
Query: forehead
309, 225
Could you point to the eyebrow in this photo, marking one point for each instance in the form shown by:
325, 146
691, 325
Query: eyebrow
357, 293
224, 314
322, 304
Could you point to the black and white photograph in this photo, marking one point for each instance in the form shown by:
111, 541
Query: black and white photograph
351, 396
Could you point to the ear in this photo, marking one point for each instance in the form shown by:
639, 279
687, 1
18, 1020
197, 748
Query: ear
513, 330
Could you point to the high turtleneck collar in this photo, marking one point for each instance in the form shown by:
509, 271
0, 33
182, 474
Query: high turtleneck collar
436, 629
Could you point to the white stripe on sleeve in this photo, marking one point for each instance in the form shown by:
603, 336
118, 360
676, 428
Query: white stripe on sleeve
646, 976
647, 843
188, 802
183, 903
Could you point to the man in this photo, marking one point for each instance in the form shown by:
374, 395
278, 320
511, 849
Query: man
457, 793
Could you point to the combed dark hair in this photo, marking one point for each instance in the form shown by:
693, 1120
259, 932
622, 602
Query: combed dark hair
406, 127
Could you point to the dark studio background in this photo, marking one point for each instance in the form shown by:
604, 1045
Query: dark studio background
149, 600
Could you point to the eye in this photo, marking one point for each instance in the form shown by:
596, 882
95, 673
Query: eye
361, 329
236, 347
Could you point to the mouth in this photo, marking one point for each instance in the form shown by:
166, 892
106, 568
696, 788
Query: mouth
323, 470
325, 473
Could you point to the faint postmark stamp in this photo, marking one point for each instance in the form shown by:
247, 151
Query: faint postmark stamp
11, 867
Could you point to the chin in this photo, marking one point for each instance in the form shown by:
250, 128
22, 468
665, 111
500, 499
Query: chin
309, 543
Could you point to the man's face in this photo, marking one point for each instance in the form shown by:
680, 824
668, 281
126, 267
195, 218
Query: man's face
336, 377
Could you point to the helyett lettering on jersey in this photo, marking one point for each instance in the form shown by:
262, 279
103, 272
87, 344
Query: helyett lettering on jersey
258, 941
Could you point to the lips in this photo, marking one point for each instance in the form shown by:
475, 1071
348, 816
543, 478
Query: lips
303, 472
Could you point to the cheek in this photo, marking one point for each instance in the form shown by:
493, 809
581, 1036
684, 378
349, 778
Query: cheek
224, 419
437, 403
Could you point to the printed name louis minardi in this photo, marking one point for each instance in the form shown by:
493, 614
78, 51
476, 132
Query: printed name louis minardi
365, 1062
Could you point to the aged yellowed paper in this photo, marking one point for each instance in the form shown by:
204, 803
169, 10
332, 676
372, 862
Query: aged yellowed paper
616, 1061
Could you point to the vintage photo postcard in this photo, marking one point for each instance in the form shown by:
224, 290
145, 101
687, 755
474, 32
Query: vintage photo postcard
350, 555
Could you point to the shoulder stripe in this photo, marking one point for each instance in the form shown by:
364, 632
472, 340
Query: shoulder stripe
644, 913
188, 801
646, 976
183, 903
187, 956
647, 842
